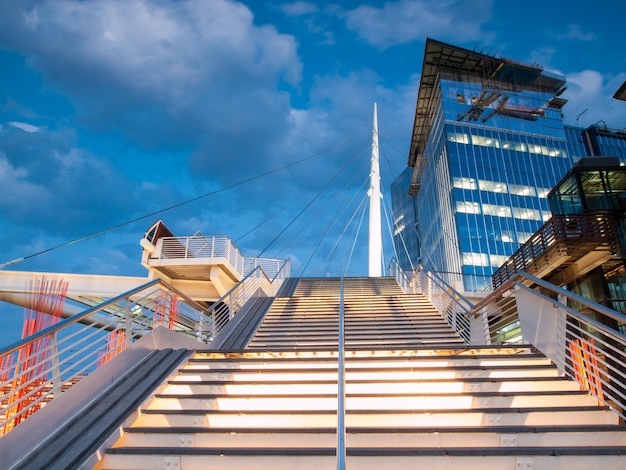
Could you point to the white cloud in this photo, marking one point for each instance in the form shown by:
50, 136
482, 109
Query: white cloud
575, 32
185, 73
298, 8
24, 126
404, 21
591, 93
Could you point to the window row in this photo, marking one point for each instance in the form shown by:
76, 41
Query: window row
499, 187
483, 259
481, 141
468, 207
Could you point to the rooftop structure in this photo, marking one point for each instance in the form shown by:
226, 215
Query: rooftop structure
620, 94
501, 74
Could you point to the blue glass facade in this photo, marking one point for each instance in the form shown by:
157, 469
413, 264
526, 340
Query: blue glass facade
405, 239
602, 141
492, 146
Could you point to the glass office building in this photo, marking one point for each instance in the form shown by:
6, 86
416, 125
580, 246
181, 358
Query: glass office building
488, 145
404, 222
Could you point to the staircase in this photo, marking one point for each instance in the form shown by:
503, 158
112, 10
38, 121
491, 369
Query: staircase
416, 397
377, 316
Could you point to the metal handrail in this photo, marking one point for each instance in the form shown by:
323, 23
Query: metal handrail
227, 306
76, 318
35, 370
405, 281
341, 385
449, 303
585, 340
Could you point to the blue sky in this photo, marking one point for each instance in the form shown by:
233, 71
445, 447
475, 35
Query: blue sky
113, 109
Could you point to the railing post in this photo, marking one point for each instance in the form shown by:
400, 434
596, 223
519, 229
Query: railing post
341, 395
128, 320
55, 367
213, 324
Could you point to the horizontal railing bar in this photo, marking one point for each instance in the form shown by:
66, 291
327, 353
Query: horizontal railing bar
586, 302
100, 307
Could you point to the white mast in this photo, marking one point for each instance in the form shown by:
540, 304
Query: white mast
375, 227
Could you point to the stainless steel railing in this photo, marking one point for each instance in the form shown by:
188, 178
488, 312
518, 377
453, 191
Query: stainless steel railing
450, 304
215, 247
341, 385
39, 368
585, 340
255, 284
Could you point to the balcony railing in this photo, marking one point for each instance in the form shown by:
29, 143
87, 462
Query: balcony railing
572, 235
217, 249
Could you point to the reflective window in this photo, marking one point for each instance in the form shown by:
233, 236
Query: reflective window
526, 214
475, 259
464, 183
522, 190
468, 207
498, 260
493, 186
498, 211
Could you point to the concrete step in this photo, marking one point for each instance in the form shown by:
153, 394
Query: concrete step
474, 386
199, 362
520, 436
355, 402
380, 418
561, 458
380, 374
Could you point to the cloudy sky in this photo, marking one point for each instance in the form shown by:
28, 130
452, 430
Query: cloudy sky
112, 110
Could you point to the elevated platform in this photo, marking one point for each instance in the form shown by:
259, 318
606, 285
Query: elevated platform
205, 267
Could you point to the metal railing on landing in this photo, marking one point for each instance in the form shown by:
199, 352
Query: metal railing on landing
214, 247
451, 305
584, 339
255, 284
39, 368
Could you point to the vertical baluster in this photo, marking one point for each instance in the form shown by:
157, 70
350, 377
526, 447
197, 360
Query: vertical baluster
55, 366
128, 321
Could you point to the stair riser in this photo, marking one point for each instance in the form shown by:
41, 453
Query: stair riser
365, 403
416, 375
372, 363
388, 420
372, 440
186, 462
370, 388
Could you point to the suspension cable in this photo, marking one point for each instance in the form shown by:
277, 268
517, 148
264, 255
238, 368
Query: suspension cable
180, 204
339, 238
356, 235
319, 193
341, 208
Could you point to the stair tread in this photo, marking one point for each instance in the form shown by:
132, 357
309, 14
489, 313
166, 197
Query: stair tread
372, 451
508, 429
498, 410
374, 395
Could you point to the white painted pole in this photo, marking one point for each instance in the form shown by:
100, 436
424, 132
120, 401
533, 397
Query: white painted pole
375, 226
